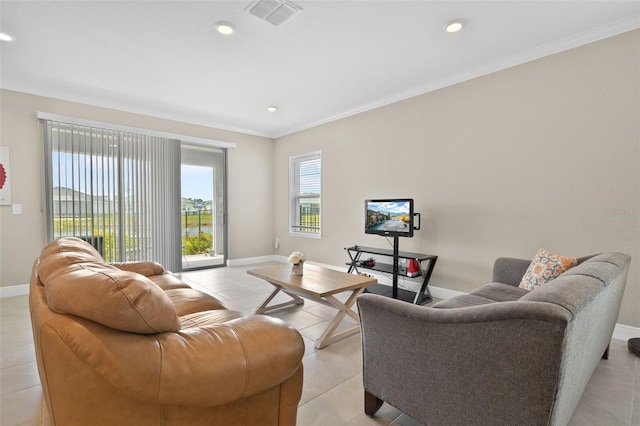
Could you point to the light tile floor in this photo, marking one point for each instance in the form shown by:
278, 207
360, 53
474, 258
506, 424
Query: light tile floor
332, 393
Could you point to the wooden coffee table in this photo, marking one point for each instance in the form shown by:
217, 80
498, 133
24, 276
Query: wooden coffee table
317, 284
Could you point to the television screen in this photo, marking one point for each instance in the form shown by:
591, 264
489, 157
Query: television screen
390, 217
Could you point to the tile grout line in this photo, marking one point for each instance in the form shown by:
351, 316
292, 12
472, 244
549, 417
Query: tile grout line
325, 392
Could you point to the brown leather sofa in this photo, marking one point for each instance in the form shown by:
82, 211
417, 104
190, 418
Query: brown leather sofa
131, 344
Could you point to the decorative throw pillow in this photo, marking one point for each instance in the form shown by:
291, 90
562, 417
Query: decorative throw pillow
545, 267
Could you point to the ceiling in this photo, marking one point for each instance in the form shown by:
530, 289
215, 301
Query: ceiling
334, 59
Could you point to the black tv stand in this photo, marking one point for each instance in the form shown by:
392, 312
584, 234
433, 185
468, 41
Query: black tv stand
419, 297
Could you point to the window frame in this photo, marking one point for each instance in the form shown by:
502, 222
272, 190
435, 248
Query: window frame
295, 197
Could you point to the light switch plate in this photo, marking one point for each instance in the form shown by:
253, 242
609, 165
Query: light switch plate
16, 208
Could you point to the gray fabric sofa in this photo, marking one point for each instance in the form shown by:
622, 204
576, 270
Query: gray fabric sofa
500, 355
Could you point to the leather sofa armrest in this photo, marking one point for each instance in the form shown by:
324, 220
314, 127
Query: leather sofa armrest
207, 366
223, 363
143, 268
508, 270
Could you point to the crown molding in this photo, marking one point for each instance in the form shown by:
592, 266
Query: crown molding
53, 94
558, 46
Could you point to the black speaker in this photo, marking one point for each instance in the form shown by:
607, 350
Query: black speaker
97, 241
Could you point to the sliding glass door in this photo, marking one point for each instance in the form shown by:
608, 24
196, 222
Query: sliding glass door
115, 189
202, 207
135, 196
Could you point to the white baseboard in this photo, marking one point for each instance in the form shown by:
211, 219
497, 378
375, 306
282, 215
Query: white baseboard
444, 293
14, 290
625, 332
253, 260
413, 284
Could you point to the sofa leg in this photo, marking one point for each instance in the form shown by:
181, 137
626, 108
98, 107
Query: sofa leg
605, 355
371, 403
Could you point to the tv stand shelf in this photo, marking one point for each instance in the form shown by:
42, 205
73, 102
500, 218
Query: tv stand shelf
419, 297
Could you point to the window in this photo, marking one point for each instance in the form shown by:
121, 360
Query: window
305, 182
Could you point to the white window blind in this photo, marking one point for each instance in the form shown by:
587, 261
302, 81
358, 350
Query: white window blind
305, 190
117, 189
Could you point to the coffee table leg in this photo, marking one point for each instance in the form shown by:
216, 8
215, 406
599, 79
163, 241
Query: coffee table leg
264, 308
343, 309
349, 303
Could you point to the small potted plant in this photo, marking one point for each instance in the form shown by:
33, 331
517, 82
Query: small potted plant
296, 259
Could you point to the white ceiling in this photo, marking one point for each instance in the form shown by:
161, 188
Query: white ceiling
334, 59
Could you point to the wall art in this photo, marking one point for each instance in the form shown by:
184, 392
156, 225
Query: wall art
5, 176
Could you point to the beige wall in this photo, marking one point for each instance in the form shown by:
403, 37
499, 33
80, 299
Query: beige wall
545, 154
250, 179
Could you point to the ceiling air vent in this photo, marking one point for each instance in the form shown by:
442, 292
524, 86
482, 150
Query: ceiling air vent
277, 12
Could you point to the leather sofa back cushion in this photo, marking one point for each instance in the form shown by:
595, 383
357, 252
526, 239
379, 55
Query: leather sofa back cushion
71, 245
66, 251
122, 300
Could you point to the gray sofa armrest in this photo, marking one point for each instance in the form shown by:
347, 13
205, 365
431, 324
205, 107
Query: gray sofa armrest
509, 270
463, 366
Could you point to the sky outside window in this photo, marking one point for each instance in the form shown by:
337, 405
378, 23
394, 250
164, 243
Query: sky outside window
197, 182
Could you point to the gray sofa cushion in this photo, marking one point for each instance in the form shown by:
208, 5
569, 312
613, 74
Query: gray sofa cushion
508, 270
570, 292
499, 292
580, 285
462, 301
602, 267
618, 259
489, 293
590, 271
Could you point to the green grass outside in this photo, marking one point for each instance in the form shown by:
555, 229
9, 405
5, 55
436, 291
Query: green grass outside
192, 244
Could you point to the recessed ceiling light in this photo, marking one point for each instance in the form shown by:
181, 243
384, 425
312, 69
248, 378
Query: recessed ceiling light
225, 28
272, 108
5, 37
453, 26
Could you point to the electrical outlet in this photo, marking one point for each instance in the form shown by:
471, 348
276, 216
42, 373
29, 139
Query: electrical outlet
277, 243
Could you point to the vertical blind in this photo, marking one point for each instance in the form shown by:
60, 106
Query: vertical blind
117, 189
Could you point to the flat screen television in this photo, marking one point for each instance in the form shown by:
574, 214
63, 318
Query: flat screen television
393, 217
